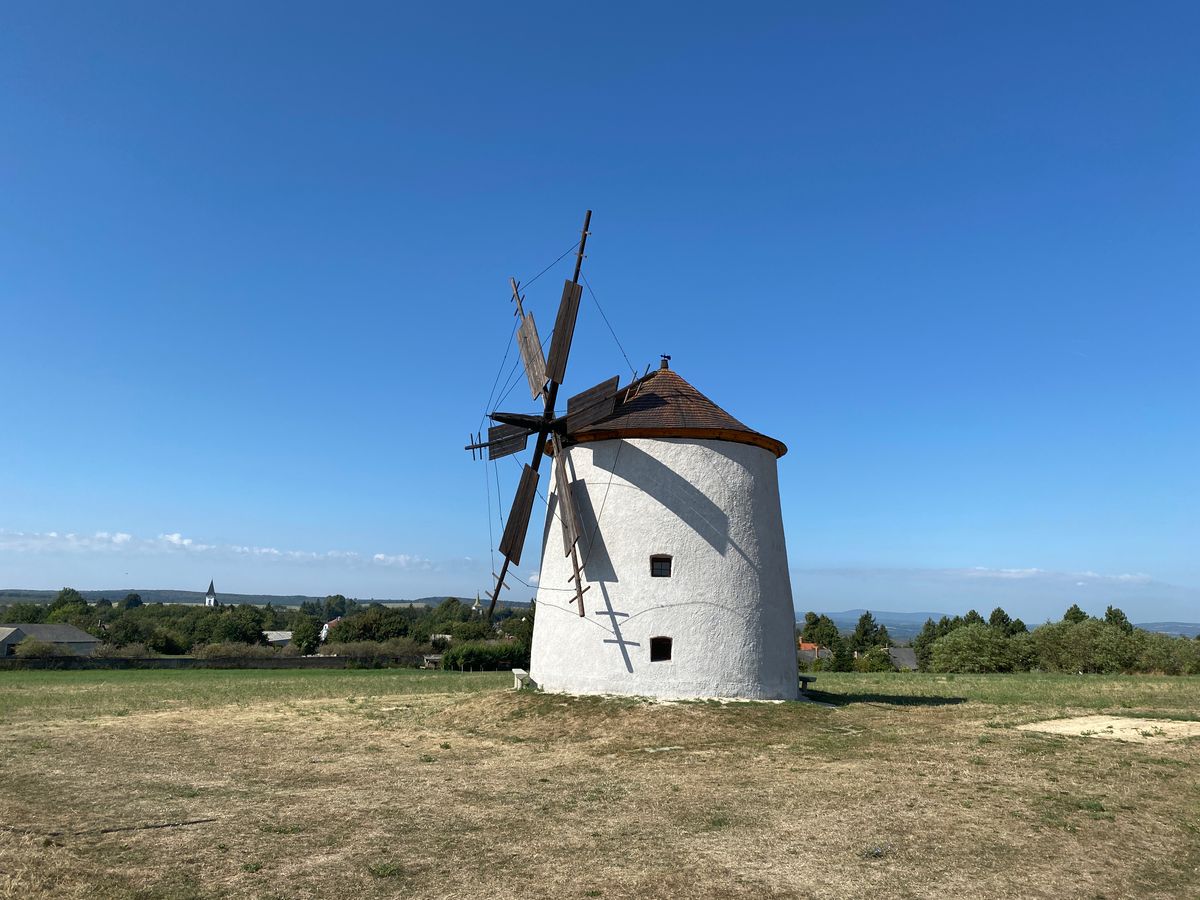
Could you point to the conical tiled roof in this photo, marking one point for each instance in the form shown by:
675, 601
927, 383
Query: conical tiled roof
663, 405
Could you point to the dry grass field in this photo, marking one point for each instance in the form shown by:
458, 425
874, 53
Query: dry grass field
406, 784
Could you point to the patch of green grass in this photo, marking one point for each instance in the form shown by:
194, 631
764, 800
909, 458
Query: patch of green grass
281, 829
386, 870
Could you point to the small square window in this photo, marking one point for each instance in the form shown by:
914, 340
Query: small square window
660, 649
660, 567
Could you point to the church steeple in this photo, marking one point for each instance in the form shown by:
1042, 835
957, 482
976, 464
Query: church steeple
210, 599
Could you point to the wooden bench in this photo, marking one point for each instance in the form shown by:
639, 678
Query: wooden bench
805, 681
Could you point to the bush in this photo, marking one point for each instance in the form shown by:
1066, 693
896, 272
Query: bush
486, 655
972, 648
1090, 645
127, 651
233, 650
374, 649
30, 648
1169, 655
875, 660
26, 613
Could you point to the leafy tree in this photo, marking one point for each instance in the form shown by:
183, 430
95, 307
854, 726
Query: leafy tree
877, 659
475, 630
336, 605
376, 623
819, 630
67, 597
867, 634
973, 618
923, 642
128, 630
306, 634
103, 603
450, 610
131, 601
1117, 618
1000, 619
843, 657
1018, 627
1088, 646
519, 627
486, 655
28, 613
68, 605
972, 648
239, 625
1075, 615
1023, 651
167, 640
1168, 655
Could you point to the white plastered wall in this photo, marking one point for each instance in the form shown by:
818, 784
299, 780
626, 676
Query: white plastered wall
713, 507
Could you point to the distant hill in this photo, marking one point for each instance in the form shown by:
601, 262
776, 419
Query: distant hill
155, 595
902, 626
1185, 629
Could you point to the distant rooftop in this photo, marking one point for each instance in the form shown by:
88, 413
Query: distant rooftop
52, 634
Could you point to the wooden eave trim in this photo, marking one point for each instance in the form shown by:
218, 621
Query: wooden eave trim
732, 435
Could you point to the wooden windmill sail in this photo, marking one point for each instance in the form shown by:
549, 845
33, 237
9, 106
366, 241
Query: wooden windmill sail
512, 432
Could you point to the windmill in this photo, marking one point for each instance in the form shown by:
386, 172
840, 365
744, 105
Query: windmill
669, 509
511, 434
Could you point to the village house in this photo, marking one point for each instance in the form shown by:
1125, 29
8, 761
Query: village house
65, 637
808, 652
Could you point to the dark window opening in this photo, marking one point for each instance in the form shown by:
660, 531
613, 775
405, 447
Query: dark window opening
660, 567
660, 649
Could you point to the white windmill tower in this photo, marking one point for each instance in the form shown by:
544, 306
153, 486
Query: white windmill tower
670, 517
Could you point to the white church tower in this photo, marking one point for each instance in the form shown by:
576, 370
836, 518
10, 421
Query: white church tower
210, 599
683, 556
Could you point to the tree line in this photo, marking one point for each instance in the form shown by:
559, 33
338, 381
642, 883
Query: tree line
862, 650
1077, 642
129, 627
1000, 643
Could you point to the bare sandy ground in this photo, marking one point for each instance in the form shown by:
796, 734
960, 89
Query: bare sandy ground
1118, 728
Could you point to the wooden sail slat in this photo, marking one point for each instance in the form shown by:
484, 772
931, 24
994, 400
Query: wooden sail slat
568, 513
564, 330
505, 440
513, 539
592, 405
531, 354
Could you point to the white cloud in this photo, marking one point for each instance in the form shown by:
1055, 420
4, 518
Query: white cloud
532, 578
984, 572
175, 543
401, 561
1031, 593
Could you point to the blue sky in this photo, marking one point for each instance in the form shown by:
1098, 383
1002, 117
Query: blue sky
253, 266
